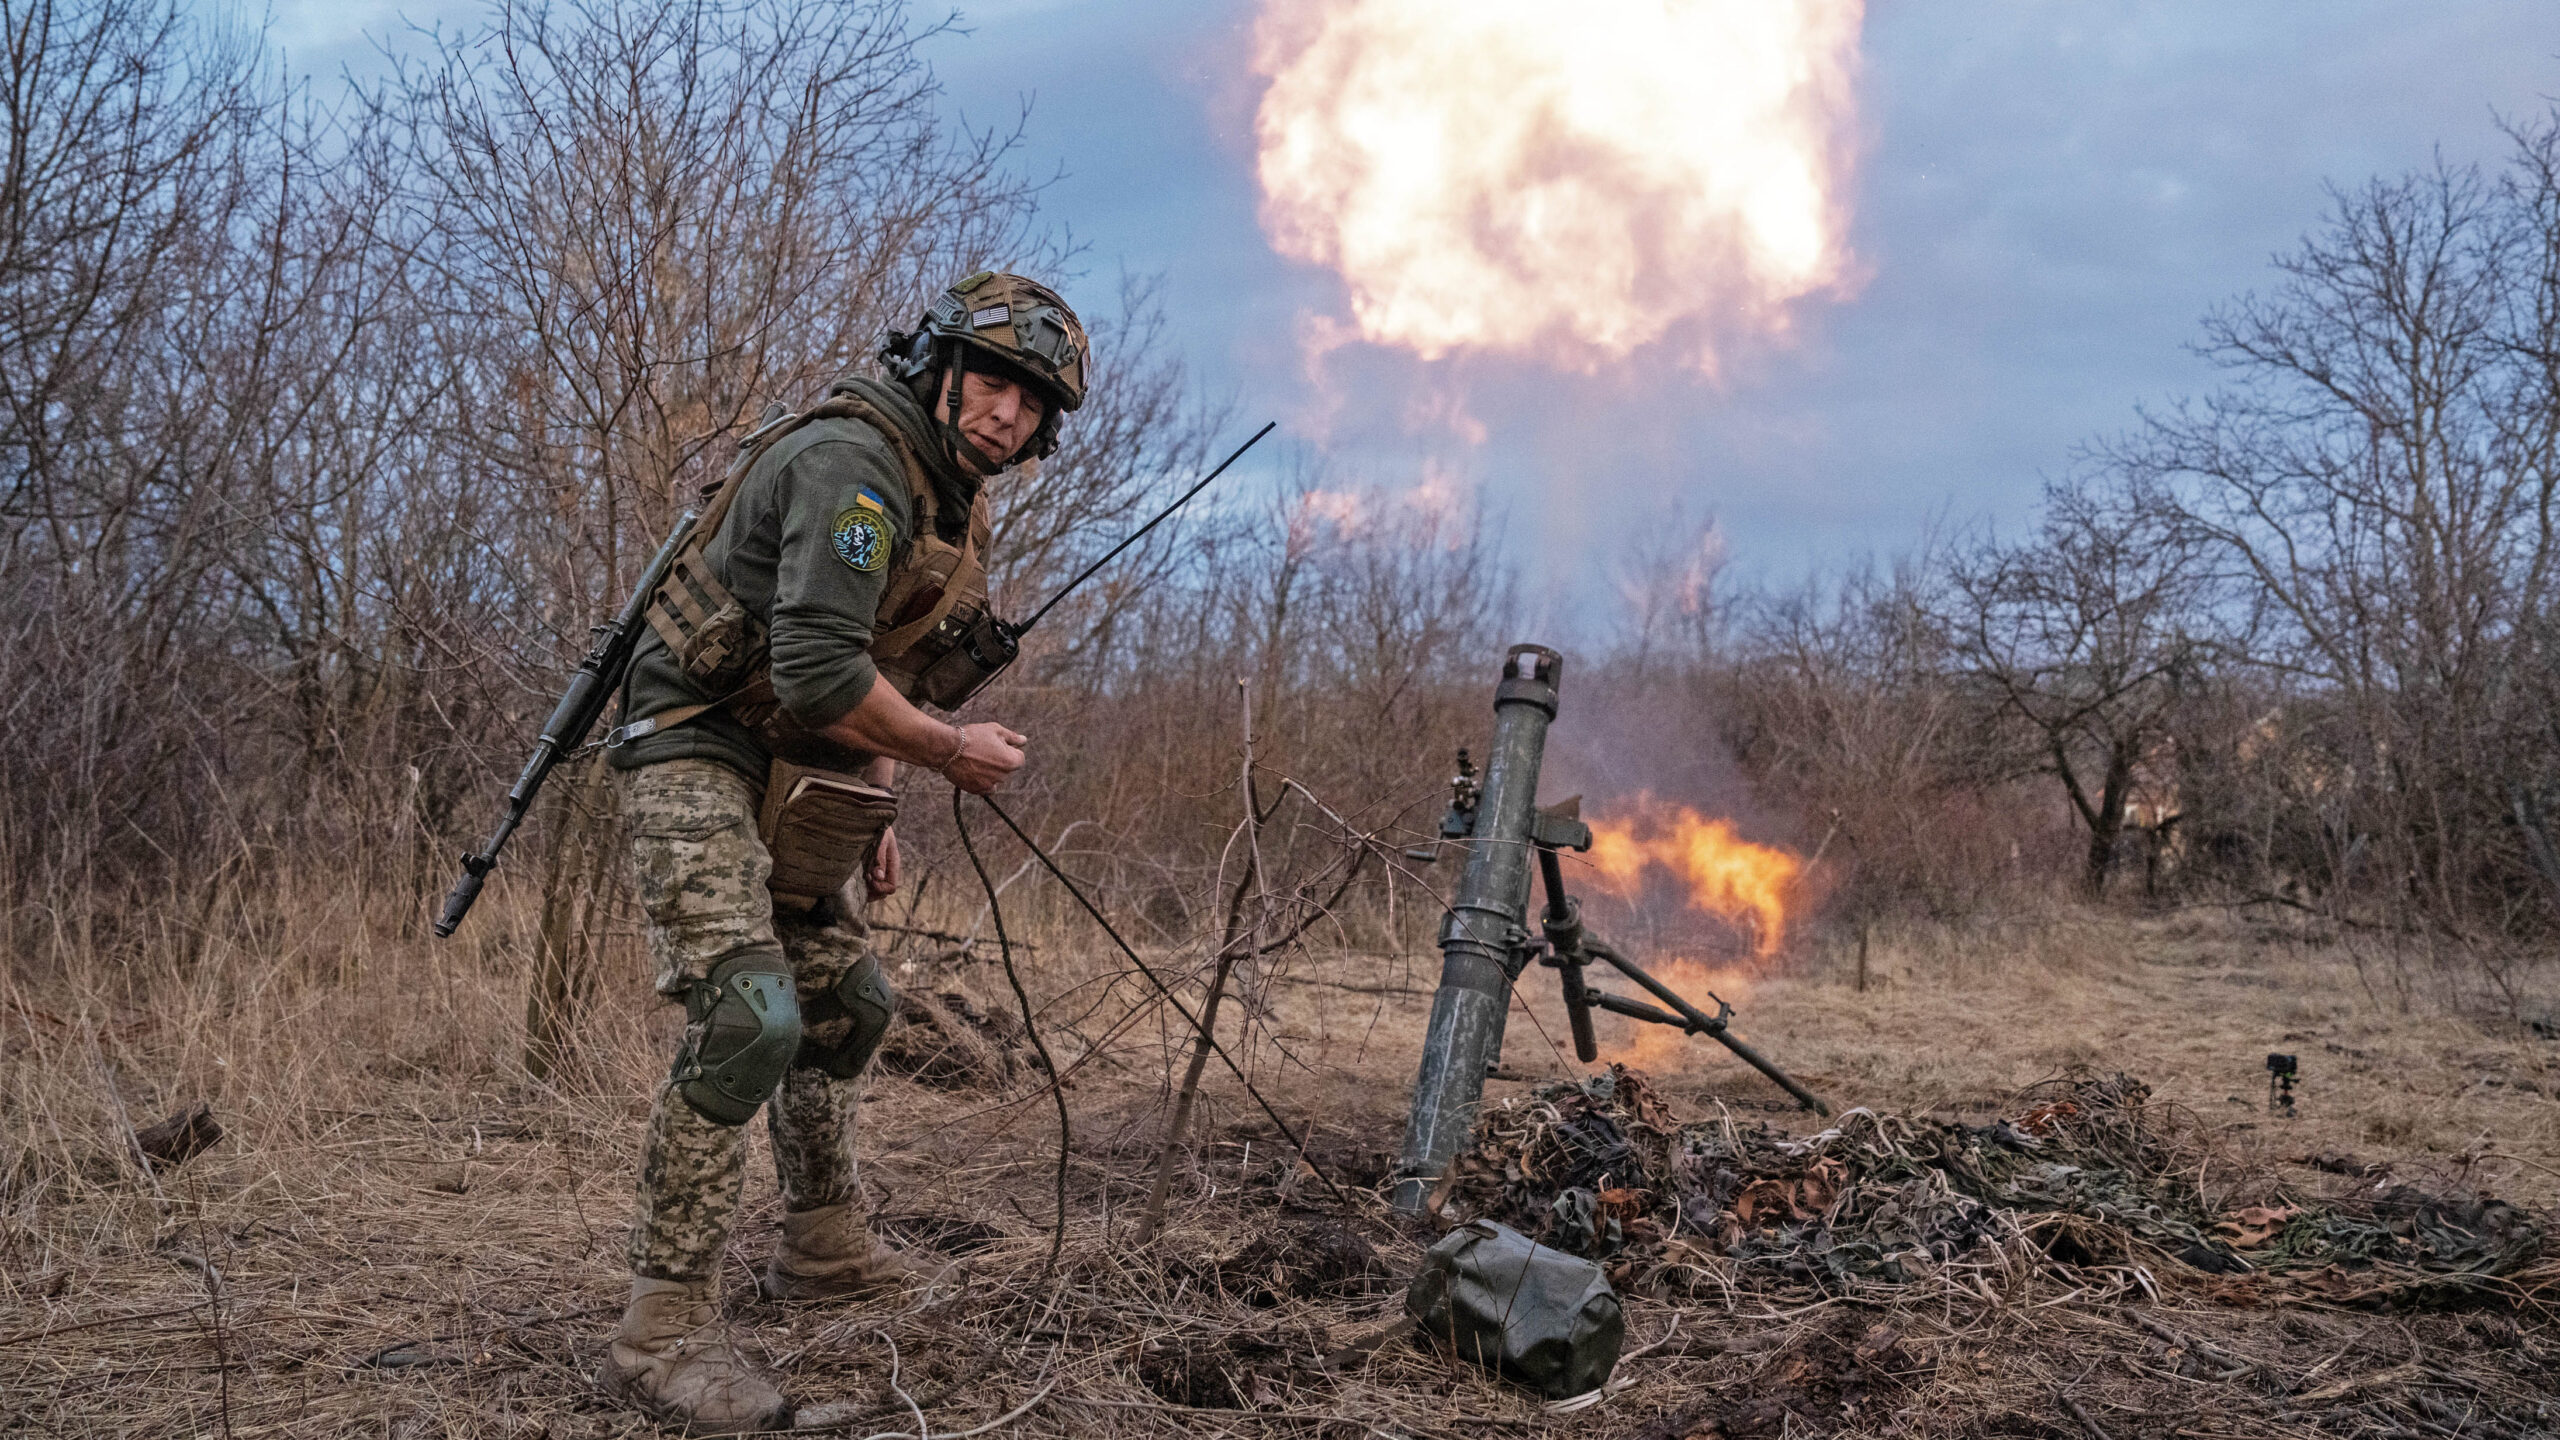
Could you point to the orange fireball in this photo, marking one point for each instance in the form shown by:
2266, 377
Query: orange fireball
1567, 181
1727, 876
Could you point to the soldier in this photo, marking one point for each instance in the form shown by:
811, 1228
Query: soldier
766, 713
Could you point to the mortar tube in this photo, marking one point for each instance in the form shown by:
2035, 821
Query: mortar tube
1483, 938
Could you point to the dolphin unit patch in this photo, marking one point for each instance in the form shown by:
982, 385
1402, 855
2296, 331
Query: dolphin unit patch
862, 534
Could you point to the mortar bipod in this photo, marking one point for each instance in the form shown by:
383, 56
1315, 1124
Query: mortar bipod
1568, 950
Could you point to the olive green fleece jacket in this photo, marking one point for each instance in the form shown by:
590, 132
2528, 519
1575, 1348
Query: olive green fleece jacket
780, 553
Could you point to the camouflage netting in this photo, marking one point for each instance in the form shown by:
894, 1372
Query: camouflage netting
2087, 1175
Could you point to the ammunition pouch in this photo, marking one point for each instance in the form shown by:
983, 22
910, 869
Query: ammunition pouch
747, 1019
713, 639
941, 644
822, 828
863, 997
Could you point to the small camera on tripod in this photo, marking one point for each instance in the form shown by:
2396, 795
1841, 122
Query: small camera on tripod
2281, 1072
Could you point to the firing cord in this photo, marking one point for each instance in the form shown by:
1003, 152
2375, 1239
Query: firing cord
1057, 1083
1143, 968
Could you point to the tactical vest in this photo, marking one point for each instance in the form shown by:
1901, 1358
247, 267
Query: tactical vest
820, 826
935, 591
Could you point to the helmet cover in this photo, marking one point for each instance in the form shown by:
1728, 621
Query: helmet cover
1021, 325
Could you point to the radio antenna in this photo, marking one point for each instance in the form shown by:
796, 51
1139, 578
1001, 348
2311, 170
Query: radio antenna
1142, 530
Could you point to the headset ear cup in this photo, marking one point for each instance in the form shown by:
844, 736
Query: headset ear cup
905, 355
1044, 443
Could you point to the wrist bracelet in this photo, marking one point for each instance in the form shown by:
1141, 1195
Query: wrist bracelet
959, 742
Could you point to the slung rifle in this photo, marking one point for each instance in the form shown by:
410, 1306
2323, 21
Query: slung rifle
984, 653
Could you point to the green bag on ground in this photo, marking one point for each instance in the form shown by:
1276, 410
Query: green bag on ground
1538, 1315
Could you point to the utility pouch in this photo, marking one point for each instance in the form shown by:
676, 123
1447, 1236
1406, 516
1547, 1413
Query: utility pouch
943, 643
973, 648
720, 654
822, 828
712, 637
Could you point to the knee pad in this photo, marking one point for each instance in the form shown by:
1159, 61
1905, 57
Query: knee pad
748, 1017
862, 996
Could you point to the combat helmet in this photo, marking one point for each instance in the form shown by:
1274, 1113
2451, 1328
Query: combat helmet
994, 321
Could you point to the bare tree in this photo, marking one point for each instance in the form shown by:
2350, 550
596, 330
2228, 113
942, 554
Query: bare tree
128, 132
1843, 705
184, 295
2378, 473
2088, 632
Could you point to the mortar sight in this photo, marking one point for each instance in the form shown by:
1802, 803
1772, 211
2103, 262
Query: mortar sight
1460, 822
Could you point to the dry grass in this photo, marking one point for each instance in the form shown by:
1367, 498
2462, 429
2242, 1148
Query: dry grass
401, 1235
2192, 1002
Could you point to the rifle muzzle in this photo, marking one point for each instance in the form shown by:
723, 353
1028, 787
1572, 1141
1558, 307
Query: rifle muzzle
475, 872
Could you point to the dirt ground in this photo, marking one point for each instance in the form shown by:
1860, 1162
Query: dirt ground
402, 1235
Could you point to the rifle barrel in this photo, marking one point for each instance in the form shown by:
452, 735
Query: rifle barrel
583, 703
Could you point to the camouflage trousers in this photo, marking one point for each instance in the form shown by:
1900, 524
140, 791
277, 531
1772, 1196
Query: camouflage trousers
701, 873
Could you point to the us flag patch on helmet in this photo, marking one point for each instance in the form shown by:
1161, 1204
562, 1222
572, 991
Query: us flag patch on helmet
992, 315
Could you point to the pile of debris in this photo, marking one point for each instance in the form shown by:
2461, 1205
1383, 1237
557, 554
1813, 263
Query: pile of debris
2087, 1173
948, 1040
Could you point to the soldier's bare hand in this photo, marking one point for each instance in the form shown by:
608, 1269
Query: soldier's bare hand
882, 878
988, 753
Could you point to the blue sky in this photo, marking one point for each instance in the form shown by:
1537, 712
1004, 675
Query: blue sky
2052, 192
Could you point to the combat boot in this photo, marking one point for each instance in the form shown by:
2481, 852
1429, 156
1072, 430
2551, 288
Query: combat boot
673, 1359
828, 1254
